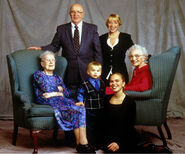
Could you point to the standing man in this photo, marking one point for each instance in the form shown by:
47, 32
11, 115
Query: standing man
80, 45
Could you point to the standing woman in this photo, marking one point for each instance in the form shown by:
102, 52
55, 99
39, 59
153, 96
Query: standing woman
114, 46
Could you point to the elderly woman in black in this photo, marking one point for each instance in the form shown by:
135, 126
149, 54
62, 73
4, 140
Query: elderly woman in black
114, 46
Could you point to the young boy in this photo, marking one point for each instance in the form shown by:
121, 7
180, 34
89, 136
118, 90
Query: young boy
91, 94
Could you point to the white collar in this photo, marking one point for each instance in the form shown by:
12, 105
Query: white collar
115, 43
79, 25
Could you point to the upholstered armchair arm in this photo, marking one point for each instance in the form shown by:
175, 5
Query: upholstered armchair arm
141, 95
23, 99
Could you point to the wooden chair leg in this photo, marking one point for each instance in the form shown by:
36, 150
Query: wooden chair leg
167, 130
162, 135
55, 134
30, 133
35, 142
15, 131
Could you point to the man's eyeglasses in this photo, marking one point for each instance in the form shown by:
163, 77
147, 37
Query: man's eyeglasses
76, 12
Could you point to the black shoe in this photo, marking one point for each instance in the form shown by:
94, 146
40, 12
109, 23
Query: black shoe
162, 149
85, 148
146, 148
152, 148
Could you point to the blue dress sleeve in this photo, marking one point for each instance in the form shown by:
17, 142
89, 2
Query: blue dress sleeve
38, 84
66, 91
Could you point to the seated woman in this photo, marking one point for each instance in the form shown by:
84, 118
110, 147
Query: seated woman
141, 78
50, 89
120, 111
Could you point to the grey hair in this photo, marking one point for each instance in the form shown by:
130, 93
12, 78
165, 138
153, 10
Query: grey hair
46, 53
139, 47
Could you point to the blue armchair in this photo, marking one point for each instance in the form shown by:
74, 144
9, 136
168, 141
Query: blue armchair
27, 114
151, 105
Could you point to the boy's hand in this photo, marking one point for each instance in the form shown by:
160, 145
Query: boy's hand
79, 104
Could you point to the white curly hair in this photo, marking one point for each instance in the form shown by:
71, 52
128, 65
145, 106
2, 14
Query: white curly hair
139, 47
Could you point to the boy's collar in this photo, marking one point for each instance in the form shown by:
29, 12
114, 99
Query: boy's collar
93, 78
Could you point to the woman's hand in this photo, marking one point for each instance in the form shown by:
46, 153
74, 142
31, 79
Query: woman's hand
52, 94
60, 89
113, 147
79, 104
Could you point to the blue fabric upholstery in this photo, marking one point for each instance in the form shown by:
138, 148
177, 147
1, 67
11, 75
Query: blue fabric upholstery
151, 105
27, 114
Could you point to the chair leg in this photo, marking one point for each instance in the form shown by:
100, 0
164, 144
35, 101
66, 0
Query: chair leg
167, 130
15, 131
162, 135
55, 134
35, 143
30, 133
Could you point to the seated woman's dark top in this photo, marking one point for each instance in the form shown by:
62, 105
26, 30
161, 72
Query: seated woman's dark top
119, 124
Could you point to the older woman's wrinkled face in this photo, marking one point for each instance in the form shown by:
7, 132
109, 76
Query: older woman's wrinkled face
113, 25
116, 83
48, 62
137, 58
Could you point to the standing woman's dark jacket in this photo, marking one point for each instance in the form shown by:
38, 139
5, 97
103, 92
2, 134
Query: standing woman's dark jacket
115, 57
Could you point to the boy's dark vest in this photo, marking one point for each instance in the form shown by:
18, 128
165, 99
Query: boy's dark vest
93, 99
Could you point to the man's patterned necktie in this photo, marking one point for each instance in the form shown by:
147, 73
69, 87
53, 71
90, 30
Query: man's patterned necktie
76, 38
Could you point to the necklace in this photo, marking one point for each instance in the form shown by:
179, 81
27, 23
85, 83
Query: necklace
114, 35
47, 73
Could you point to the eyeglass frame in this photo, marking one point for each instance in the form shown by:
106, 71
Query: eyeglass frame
77, 12
49, 60
136, 56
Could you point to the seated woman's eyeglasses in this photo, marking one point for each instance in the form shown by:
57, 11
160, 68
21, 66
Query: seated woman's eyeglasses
49, 60
136, 56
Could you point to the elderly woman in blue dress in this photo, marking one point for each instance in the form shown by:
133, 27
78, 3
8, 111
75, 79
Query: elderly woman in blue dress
50, 89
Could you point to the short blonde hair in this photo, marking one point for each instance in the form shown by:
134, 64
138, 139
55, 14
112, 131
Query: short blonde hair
115, 17
93, 63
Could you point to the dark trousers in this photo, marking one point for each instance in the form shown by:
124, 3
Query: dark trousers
94, 122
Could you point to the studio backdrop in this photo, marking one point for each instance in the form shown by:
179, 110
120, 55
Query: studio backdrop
156, 24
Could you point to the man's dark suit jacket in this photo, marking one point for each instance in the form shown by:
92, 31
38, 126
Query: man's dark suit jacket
90, 50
